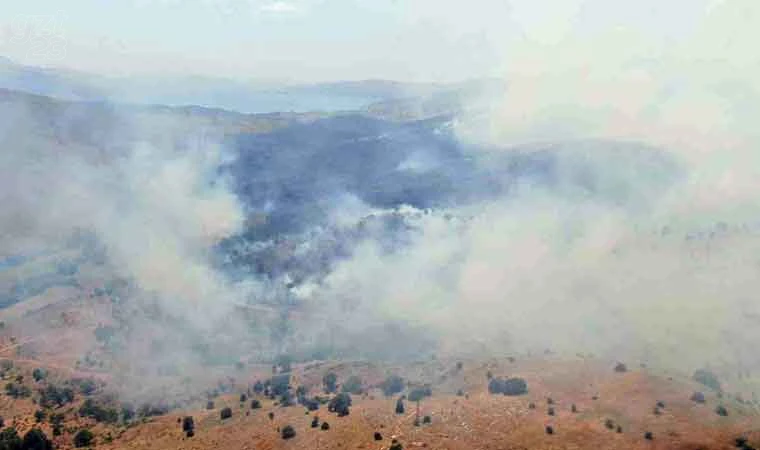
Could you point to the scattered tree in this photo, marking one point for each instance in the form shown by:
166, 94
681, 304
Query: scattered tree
620, 368
396, 445
255, 404
378, 436
721, 411
83, 438
39, 374
648, 436
9, 439
400, 405
510, 386
98, 412
315, 422
39, 415
427, 420
707, 378
288, 432
329, 381
325, 426
17, 390
549, 429
35, 439
210, 404
226, 413
340, 404
284, 362
353, 385
279, 385
392, 385
417, 394
188, 426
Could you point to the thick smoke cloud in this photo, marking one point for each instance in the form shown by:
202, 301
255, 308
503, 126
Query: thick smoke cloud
662, 274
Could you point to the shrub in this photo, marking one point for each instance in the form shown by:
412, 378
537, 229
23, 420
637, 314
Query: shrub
353, 385
226, 413
400, 406
325, 426
698, 397
39, 415
210, 404
39, 374
427, 420
255, 404
459, 365
329, 381
396, 445
258, 387
549, 429
378, 436
35, 439
721, 411
315, 422
573, 408
392, 385
620, 368
243, 398
648, 436
609, 424
288, 432
550, 411
707, 378
339, 404
83, 438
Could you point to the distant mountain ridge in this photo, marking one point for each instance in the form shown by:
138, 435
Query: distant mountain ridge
245, 97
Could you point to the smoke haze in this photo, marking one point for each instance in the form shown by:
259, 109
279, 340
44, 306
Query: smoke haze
606, 203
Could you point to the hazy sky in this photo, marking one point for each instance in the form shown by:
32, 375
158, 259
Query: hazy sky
320, 39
